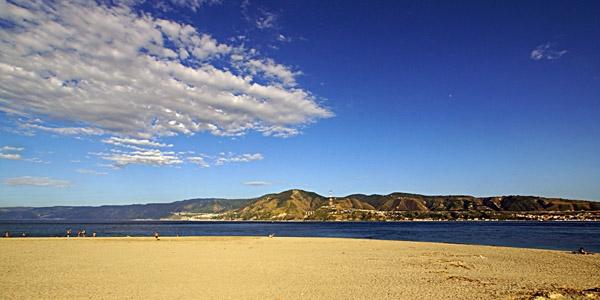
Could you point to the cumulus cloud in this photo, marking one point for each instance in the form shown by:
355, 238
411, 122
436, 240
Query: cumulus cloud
546, 52
37, 181
258, 183
100, 69
82, 171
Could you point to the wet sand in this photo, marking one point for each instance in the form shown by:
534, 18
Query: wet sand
286, 268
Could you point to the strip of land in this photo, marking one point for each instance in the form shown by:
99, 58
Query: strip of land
286, 268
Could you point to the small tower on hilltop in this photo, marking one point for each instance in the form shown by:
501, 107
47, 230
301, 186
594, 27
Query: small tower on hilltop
331, 199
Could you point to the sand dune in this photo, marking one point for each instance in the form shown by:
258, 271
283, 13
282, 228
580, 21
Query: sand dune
286, 268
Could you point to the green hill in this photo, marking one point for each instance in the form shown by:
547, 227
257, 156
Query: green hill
288, 205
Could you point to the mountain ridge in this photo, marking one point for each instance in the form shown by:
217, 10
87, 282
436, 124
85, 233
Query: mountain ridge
298, 204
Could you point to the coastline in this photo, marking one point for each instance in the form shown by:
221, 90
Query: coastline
287, 221
285, 268
563, 236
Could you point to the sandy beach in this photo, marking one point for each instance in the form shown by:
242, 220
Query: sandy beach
286, 268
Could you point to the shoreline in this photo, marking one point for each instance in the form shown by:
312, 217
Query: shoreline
201, 237
527, 235
287, 268
287, 221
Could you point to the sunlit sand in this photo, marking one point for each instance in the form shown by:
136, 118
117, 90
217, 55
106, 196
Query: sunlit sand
285, 268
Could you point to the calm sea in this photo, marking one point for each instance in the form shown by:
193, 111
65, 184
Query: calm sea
541, 235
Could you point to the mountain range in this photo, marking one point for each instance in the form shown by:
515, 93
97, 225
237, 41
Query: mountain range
302, 205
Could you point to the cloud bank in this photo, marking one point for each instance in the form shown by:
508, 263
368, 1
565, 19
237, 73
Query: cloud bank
119, 158
99, 69
154, 157
83, 171
37, 181
133, 143
258, 183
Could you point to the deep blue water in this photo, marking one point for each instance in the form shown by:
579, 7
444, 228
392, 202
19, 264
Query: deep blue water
541, 235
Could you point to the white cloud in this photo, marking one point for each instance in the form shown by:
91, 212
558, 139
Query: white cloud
37, 181
10, 156
240, 158
14, 156
82, 171
258, 183
272, 70
126, 141
66, 130
194, 5
256, 156
9, 148
546, 51
109, 70
266, 20
154, 157
258, 16
283, 38
199, 161
151, 157
223, 158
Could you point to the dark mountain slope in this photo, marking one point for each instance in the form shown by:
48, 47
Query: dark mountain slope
123, 212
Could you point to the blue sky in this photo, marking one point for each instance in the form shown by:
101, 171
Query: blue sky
145, 102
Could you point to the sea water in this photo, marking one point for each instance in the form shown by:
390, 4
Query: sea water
540, 235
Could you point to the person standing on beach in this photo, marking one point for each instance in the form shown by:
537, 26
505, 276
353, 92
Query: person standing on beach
69, 232
156, 235
83, 233
6, 235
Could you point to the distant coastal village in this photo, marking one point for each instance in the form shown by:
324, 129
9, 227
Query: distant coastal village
299, 205
329, 214
342, 209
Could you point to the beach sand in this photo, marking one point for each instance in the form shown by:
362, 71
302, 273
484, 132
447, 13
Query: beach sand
286, 268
